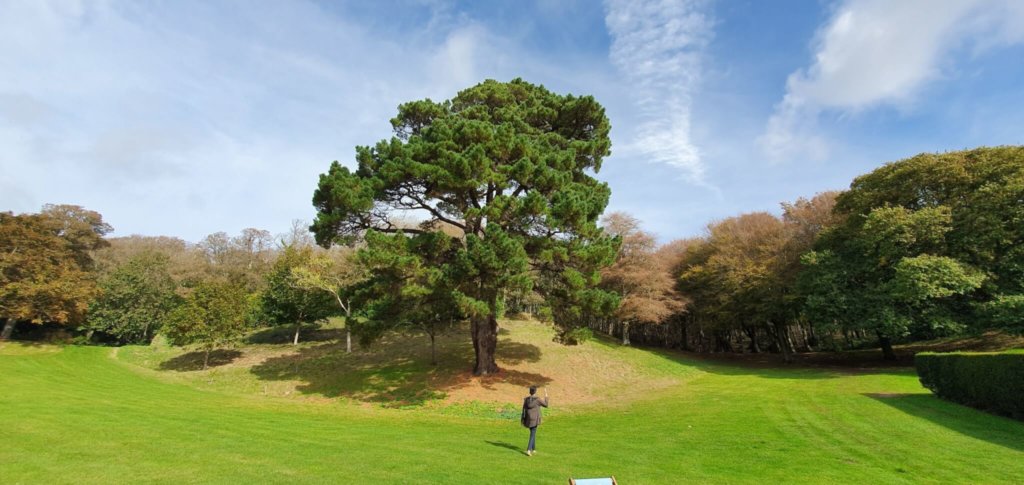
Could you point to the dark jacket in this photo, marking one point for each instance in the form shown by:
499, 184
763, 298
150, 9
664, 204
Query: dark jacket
531, 410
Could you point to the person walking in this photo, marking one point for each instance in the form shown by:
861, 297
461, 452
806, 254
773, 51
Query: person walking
531, 416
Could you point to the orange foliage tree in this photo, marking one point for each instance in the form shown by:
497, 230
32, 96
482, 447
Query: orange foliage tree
640, 274
45, 265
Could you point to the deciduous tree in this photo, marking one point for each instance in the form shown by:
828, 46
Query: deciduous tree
82, 230
639, 276
213, 315
886, 273
44, 265
242, 259
135, 299
337, 273
287, 300
186, 263
926, 246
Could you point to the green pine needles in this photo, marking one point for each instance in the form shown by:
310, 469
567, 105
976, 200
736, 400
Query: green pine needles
503, 171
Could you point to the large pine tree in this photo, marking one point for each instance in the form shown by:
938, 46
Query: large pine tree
509, 166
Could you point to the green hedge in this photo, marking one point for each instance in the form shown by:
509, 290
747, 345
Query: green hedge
990, 381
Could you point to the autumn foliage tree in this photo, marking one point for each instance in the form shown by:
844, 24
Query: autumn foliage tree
45, 265
640, 275
82, 230
186, 263
507, 164
243, 259
732, 277
743, 275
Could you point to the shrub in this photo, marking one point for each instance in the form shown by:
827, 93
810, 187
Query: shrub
1006, 311
575, 336
990, 381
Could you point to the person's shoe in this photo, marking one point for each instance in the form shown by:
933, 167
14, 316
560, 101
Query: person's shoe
529, 453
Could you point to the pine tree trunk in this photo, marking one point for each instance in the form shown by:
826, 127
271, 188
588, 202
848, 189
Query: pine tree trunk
298, 326
485, 342
206, 359
8, 329
625, 333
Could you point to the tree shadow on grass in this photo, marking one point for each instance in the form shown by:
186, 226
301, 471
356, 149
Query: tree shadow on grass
730, 366
194, 360
764, 365
324, 370
396, 370
514, 377
514, 353
284, 334
962, 419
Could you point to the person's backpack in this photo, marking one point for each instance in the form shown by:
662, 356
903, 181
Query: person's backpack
524, 420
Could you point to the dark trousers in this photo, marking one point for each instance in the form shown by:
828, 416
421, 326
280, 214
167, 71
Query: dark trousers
533, 439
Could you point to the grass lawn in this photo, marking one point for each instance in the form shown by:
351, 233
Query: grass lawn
90, 414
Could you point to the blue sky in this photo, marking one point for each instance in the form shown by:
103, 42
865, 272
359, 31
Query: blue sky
186, 118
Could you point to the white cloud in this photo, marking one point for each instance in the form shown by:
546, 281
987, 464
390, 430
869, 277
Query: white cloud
880, 52
186, 119
658, 46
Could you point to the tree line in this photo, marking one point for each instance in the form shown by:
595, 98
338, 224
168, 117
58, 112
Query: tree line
921, 248
59, 269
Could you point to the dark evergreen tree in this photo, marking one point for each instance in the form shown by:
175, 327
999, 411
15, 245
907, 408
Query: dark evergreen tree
507, 165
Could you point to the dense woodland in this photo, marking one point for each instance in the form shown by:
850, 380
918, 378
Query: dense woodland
927, 247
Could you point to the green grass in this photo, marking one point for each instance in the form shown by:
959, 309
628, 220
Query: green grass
80, 415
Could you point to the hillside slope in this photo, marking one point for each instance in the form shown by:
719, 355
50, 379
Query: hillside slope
397, 372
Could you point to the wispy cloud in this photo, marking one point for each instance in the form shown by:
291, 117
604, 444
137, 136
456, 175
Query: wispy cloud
880, 52
658, 47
